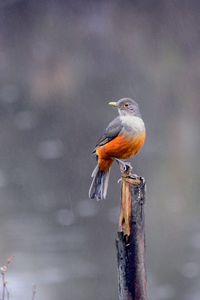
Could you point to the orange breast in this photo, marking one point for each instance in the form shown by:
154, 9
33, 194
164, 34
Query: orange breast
122, 147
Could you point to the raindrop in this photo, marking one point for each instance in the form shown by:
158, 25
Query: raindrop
2, 179
165, 292
195, 241
25, 120
52, 275
65, 217
87, 208
9, 93
193, 296
50, 149
174, 204
190, 270
113, 215
46, 200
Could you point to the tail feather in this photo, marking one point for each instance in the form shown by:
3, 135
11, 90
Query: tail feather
99, 185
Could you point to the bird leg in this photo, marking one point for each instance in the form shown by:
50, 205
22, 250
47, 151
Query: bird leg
125, 166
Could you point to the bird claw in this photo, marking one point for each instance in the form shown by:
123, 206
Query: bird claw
119, 180
134, 176
125, 166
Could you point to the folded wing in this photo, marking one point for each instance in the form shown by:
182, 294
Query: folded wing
112, 131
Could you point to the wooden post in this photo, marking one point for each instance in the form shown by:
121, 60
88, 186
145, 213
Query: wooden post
130, 241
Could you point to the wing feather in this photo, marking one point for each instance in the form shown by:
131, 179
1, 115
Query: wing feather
112, 131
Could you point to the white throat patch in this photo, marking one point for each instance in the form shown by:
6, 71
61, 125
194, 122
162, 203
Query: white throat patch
133, 123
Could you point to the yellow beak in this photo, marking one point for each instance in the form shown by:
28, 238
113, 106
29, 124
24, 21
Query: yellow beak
114, 104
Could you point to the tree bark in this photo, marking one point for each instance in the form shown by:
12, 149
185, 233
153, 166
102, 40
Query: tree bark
130, 241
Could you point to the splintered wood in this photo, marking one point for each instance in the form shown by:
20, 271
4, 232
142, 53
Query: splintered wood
126, 203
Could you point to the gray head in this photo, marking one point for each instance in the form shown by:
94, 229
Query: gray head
127, 106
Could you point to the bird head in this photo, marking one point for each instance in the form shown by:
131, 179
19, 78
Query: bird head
126, 106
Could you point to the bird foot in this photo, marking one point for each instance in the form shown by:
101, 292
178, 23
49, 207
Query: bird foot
132, 176
125, 166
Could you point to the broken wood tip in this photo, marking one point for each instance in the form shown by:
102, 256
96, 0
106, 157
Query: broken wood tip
132, 190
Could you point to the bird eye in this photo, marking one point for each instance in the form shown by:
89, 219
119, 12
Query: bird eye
126, 105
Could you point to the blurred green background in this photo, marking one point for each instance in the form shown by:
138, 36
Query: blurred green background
60, 63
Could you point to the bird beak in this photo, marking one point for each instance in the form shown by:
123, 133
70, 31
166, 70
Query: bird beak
114, 104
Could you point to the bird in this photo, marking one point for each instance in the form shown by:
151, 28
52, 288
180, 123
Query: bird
124, 137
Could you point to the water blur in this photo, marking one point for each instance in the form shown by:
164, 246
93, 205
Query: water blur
60, 63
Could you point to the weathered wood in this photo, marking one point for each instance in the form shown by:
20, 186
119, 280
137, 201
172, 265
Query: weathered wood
130, 242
